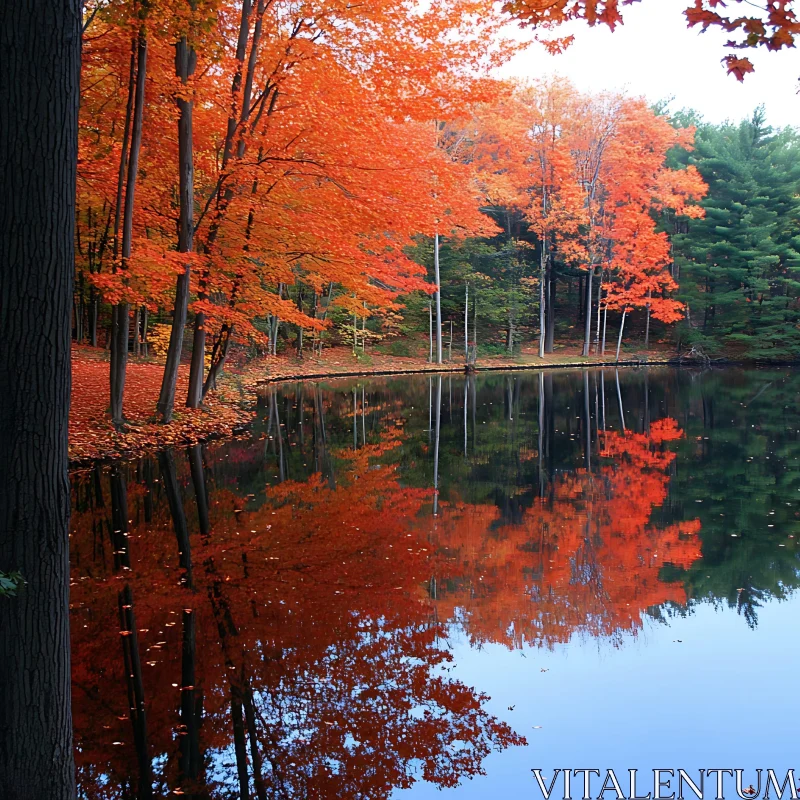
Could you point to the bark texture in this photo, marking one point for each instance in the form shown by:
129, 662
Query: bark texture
185, 62
39, 93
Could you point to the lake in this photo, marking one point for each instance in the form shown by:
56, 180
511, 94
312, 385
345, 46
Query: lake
392, 586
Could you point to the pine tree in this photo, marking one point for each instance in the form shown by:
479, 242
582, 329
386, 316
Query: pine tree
740, 264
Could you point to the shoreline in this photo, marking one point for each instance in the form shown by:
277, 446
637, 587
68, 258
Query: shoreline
229, 411
442, 369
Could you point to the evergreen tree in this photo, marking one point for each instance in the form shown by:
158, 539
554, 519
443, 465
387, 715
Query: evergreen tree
739, 266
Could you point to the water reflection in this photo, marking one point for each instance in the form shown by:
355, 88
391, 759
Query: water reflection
273, 616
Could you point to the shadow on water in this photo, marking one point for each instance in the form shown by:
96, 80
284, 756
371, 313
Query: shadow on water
273, 617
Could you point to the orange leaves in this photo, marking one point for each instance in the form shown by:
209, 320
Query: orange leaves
588, 172
586, 557
322, 174
557, 46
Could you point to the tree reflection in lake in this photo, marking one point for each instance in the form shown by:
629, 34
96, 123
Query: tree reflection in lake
271, 617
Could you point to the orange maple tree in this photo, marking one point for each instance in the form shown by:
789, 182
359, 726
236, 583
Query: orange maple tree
311, 160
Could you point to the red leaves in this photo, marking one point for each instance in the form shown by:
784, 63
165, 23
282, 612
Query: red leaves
738, 67
91, 434
775, 27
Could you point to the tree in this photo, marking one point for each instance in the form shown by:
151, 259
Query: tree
185, 64
38, 159
740, 264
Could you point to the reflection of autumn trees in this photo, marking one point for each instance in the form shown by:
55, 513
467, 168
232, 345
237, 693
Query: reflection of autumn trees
279, 646
585, 557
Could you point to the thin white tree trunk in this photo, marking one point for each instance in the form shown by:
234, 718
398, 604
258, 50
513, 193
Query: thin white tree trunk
466, 322
605, 323
599, 300
438, 300
430, 331
587, 337
621, 329
450, 345
542, 316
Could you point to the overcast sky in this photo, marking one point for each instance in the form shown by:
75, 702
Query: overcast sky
655, 55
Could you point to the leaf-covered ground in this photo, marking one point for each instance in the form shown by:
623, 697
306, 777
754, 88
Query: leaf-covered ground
91, 434
228, 410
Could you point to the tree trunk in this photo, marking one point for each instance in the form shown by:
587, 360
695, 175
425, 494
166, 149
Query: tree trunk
450, 344
466, 322
219, 354
197, 366
430, 331
587, 333
92, 317
647, 325
597, 324
137, 324
438, 300
621, 329
474, 327
550, 306
185, 62
542, 316
120, 320
79, 314
145, 314
605, 325
39, 94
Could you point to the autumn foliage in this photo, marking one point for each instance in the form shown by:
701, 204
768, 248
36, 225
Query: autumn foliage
247, 166
774, 25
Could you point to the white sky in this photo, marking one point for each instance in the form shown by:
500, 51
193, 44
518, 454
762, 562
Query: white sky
654, 54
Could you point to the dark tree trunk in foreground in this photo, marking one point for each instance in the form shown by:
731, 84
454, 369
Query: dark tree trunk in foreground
39, 91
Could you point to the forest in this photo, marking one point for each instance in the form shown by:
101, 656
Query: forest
411, 203
189, 183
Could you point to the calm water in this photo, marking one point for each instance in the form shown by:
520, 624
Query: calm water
391, 586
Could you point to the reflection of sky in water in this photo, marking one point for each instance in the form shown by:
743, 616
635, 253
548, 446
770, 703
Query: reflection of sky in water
725, 696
